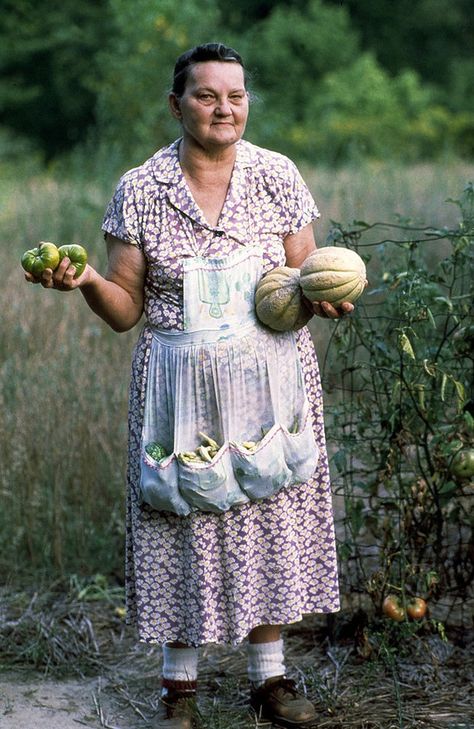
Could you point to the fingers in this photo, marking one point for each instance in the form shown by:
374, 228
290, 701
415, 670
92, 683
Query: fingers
63, 276
31, 279
328, 311
61, 279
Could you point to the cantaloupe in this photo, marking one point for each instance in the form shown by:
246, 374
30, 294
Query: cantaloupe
278, 300
333, 274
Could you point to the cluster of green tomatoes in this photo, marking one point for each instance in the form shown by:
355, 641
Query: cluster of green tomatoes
47, 255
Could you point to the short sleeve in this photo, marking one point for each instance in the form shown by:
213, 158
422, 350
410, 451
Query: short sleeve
301, 206
122, 216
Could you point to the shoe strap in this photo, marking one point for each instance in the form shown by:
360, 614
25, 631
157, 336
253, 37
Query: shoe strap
169, 683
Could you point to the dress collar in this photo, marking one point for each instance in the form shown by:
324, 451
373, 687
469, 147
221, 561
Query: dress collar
167, 170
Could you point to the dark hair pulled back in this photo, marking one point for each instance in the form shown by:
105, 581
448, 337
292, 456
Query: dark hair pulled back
198, 54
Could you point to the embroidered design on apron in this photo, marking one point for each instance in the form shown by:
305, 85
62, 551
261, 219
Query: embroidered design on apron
228, 377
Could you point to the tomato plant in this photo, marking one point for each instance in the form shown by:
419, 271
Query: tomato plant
36, 260
76, 254
401, 409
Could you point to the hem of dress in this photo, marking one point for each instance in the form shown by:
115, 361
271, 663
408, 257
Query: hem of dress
238, 639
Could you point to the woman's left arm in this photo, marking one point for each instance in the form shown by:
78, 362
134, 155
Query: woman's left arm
298, 246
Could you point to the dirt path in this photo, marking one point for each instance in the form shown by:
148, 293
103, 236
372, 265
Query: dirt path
35, 703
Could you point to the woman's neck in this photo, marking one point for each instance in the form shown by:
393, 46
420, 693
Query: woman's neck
198, 162
208, 177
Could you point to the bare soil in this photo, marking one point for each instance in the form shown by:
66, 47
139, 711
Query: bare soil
35, 702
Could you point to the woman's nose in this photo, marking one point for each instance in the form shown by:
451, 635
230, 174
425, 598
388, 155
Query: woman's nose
223, 107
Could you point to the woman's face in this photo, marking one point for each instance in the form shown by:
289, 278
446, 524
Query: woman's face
214, 107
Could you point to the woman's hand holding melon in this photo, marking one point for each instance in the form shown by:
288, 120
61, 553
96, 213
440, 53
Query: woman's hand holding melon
327, 310
331, 280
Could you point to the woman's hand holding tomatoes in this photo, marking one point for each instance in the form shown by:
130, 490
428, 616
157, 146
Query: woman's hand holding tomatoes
63, 269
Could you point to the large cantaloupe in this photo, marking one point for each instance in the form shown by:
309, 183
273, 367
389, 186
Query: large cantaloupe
278, 300
333, 274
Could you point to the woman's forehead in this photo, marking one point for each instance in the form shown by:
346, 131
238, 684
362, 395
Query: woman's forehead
208, 73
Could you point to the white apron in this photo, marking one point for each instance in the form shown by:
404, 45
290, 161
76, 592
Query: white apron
231, 379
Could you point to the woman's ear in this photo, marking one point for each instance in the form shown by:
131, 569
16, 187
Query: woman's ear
174, 105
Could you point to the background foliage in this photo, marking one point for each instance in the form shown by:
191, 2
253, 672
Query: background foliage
332, 80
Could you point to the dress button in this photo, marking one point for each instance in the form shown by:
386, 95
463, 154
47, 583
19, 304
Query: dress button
219, 233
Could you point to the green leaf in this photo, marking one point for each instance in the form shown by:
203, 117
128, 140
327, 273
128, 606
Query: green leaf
431, 317
405, 345
429, 368
461, 393
444, 381
339, 459
444, 300
468, 422
447, 488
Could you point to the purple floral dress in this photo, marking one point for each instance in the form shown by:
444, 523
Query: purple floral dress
211, 577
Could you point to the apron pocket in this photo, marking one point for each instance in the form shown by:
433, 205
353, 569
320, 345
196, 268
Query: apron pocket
159, 484
300, 449
263, 471
210, 486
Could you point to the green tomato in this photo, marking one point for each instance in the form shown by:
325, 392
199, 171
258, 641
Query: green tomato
156, 450
36, 260
462, 464
76, 254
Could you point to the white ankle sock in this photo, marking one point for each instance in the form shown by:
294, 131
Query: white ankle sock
179, 664
265, 660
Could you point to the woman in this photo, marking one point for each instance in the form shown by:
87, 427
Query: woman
189, 233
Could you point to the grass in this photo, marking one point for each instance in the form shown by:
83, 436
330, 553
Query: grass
63, 398
64, 375
374, 191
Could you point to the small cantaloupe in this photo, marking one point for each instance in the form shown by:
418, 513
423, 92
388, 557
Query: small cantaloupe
278, 300
333, 274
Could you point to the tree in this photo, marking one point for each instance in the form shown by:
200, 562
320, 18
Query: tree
137, 68
243, 13
289, 53
427, 36
47, 63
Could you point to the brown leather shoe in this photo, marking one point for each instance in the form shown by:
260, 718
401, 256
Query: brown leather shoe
178, 710
279, 701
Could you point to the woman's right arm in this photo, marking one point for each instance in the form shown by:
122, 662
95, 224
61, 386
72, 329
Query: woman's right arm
117, 297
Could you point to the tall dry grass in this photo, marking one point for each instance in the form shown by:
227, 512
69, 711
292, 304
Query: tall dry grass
374, 191
63, 397
64, 375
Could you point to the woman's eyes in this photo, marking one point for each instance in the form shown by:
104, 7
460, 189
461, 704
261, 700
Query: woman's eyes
234, 98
